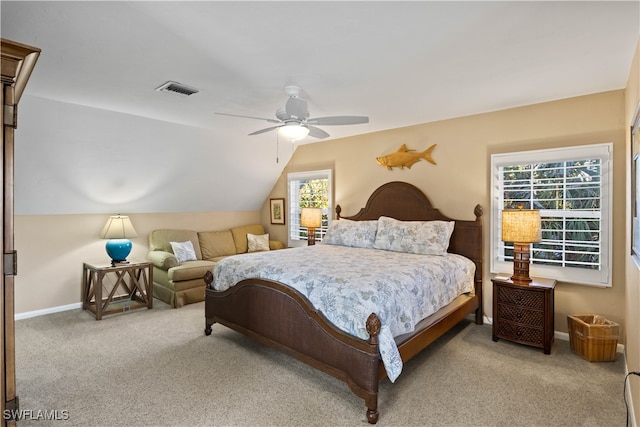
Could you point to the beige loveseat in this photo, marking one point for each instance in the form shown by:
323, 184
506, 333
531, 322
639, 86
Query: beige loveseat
182, 283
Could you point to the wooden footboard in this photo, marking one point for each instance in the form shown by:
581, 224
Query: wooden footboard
276, 315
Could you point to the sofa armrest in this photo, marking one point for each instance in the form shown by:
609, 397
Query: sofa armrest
276, 244
163, 260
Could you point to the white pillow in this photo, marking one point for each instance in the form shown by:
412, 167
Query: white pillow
257, 243
183, 251
356, 234
416, 237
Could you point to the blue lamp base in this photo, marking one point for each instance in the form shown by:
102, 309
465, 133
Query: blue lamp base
118, 249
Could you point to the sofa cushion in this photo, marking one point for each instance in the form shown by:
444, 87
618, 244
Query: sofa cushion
214, 244
240, 236
190, 270
276, 244
159, 240
216, 259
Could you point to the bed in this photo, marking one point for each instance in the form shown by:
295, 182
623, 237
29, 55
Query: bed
257, 302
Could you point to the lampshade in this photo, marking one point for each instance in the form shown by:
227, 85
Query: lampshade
311, 217
293, 131
118, 227
118, 230
521, 226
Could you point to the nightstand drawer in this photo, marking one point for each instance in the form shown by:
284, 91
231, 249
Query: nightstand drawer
522, 315
523, 298
524, 334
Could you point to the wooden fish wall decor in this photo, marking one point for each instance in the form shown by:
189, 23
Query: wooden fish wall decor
405, 157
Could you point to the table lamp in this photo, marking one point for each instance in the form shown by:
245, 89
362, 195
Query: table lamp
312, 219
522, 227
118, 230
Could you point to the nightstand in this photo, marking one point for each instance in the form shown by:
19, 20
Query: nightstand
133, 287
524, 313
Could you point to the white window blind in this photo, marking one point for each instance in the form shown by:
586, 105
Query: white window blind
308, 189
572, 189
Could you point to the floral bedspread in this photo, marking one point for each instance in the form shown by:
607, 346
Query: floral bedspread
348, 284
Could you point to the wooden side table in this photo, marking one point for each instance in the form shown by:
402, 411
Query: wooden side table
524, 313
135, 278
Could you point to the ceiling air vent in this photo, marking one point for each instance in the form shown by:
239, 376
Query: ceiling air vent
178, 88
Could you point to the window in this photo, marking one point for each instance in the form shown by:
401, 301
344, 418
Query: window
572, 188
308, 189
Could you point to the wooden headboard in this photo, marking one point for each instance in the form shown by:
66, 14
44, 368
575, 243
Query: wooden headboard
405, 202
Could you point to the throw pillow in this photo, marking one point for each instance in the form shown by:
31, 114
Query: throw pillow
417, 237
183, 251
257, 243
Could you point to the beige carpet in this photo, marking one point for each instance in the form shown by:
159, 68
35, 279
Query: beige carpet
157, 368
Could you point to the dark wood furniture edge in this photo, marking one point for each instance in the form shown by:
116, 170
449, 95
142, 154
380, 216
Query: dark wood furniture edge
18, 61
316, 341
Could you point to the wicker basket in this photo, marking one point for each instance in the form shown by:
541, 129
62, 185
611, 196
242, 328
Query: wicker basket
593, 337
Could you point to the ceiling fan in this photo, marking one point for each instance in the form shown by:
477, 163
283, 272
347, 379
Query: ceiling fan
293, 120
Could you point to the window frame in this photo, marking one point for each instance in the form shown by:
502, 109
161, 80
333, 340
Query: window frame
293, 205
601, 277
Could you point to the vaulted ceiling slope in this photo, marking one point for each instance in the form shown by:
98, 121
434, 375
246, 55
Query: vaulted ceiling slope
400, 63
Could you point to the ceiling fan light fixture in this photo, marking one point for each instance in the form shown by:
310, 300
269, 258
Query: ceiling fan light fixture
293, 131
293, 121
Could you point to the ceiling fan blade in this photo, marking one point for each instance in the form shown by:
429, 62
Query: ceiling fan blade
338, 120
297, 107
258, 132
317, 132
249, 117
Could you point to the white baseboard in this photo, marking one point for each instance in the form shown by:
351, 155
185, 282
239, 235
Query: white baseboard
564, 336
44, 311
631, 415
627, 393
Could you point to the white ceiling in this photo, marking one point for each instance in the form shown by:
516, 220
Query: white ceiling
400, 63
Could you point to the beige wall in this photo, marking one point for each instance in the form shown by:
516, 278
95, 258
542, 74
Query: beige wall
52, 248
460, 180
632, 296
